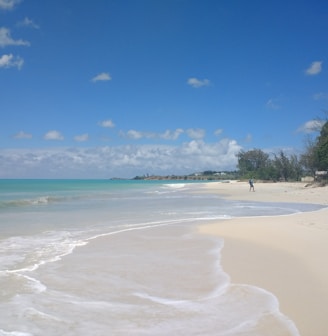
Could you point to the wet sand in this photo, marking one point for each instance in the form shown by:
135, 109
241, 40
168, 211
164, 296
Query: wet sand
286, 255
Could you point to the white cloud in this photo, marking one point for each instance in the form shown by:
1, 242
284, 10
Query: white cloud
171, 135
53, 135
167, 135
107, 123
133, 134
7, 40
197, 83
311, 126
218, 132
272, 104
248, 138
8, 4
23, 135
11, 61
314, 69
104, 76
82, 137
120, 161
195, 133
27, 23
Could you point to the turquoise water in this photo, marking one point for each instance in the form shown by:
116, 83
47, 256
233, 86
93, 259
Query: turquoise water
100, 257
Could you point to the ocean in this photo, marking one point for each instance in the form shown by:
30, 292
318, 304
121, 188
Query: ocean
123, 257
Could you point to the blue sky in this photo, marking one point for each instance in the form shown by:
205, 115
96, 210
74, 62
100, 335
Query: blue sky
119, 88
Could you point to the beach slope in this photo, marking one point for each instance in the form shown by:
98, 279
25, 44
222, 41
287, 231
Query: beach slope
286, 255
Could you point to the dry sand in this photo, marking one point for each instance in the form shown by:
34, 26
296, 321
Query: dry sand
287, 255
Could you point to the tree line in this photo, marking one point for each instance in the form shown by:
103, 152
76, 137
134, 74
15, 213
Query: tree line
257, 164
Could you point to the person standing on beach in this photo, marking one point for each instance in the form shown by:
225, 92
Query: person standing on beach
251, 185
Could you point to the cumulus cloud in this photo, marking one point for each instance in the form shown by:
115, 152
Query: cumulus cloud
82, 137
53, 135
104, 76
28, 23
107, 123
11, 61
7, 40
8, 4
311, 126
120, 161
197, 83
23, 135
314, 69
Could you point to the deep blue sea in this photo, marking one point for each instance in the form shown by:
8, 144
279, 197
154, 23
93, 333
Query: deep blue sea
123, 257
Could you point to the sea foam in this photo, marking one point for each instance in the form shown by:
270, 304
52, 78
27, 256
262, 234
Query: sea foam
123, 258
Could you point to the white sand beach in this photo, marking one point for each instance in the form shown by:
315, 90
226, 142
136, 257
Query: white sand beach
286, 255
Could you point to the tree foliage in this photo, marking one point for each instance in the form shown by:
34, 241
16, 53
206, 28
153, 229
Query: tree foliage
257, 164
287, 167
321, 149
308, 159
253, 163
315, 156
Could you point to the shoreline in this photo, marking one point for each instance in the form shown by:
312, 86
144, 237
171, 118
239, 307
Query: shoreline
285, 255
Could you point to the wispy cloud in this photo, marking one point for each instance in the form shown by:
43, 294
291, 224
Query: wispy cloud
166, 135
248, 138
272, 104
28, 23
102, 77
171, 135
197, 83
8, 4
314, 69
136, 135
7, 40
23, 135
11, 61
218, 132
320, 96
195, 133
106, 123
82, 137
311, 126
53, 135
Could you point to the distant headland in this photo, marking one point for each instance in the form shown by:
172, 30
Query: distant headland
208, 175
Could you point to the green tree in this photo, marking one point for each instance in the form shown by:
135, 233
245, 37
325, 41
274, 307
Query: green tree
321, 148
282, 165
253, 163
309, 158
297, 169
287, 167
